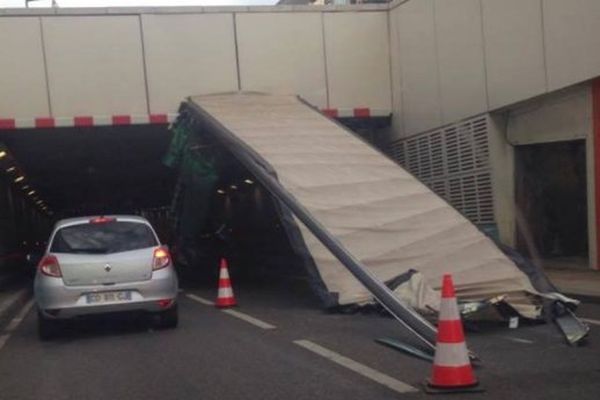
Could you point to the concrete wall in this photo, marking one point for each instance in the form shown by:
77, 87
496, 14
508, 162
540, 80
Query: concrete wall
563, 115
23, 89
188, 54
102, 62
95, 65
283, 53
455, 59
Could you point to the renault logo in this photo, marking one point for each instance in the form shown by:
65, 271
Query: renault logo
107, 267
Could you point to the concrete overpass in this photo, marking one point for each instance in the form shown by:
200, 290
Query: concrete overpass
508, 73
135, 65
427, 62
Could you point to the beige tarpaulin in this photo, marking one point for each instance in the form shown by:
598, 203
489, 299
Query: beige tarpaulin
382, 214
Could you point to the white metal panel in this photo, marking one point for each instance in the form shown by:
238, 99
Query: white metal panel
419, 69
188, 55
460, 59
514, 50
572, 33
282, 53
95, 65
22, 77
382, 215
358, 60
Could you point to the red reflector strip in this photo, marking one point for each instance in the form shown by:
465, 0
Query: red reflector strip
7, 123
83, 121
452, 376
44, 122
331, 112
159, 119
450, 332
362, 112
121, 120
224, 282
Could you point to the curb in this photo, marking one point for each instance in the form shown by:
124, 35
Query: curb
11, 306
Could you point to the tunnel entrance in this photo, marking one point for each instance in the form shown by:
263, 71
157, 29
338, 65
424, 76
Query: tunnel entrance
72, 172
552, 200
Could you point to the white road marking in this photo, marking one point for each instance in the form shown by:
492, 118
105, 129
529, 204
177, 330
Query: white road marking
233, 313
249, 319
12, 299
3, 340
519, 340
367, 372
200, 299
591, 321
14, 323
19, 317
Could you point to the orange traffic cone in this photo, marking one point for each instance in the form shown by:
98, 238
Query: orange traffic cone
452, 371
225, 297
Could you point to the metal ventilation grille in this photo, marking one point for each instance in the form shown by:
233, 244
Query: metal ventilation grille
454, 163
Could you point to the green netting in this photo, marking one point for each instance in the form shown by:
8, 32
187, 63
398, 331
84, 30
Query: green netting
197, 166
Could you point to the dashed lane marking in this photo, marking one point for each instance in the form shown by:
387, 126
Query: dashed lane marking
14, 323
19, 317
200, 299
591, 321
3, 339
245, 317
519, 340
367, 372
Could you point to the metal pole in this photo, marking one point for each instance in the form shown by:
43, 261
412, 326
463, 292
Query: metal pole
402, 312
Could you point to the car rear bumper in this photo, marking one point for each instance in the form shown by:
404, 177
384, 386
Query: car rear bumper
55, 299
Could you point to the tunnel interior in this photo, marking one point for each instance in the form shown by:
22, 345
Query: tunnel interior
72, 172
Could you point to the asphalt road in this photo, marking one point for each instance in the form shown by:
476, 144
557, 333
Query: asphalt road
282, 346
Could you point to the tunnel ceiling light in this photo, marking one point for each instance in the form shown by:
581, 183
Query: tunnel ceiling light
249, 181
221, 191
30, 192
19, 178
11, 169
2, 154
233, 187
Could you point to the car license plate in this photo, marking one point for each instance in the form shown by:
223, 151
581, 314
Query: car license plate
108, 297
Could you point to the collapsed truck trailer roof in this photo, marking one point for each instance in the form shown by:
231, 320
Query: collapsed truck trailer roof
380, 214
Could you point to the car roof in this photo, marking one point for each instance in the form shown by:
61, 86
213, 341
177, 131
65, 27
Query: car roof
82, 220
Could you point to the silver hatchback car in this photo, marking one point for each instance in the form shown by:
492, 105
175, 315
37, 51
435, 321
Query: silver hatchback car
104, 264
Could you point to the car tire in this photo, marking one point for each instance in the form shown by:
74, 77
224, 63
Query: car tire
169, 318
47, 328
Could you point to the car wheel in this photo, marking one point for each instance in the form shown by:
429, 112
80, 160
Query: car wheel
47, 328
169, 318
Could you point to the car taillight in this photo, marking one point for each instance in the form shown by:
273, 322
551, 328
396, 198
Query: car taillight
162, 258
49, 266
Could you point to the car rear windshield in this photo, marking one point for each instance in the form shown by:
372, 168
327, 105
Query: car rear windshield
103, 238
